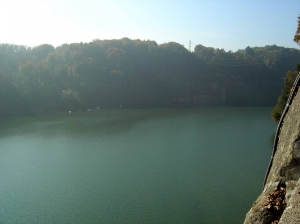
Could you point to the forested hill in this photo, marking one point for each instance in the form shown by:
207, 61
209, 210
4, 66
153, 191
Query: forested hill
138, 74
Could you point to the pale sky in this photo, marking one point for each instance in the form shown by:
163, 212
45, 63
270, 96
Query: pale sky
228, 24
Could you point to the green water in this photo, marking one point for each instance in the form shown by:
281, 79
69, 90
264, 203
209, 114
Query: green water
201, 165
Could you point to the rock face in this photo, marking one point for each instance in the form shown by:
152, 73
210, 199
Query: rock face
286, 168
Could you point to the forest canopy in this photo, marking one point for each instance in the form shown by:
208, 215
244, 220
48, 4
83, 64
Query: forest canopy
138, 74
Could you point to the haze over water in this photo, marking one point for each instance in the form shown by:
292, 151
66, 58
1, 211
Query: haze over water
202, 165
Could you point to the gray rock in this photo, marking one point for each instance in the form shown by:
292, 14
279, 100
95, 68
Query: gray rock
286, 167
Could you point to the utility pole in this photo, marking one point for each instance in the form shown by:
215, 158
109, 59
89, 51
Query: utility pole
190, 46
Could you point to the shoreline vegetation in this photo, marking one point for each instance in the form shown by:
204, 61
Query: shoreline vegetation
286, 91
139, 74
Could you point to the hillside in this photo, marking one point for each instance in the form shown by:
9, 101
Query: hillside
138, 74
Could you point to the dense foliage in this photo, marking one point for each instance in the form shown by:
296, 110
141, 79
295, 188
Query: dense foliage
138, 74
297, 34
283, 98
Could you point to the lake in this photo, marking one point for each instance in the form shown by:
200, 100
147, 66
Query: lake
202, 165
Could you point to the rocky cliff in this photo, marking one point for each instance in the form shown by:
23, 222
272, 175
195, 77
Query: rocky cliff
285, 167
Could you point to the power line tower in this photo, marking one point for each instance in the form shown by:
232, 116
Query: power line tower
190, 46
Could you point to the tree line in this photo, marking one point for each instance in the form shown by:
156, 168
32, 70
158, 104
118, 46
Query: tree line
138, 74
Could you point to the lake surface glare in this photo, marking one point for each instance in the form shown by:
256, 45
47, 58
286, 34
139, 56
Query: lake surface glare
202, 165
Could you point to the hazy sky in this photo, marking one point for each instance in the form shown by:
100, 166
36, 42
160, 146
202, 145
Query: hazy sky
227, 24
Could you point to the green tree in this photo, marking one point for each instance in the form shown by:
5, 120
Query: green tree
288, 83
42, 51
282, 99
297, 35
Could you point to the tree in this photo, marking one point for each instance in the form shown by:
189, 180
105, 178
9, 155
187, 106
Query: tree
249, 51
288, 82
297, 35
42, 51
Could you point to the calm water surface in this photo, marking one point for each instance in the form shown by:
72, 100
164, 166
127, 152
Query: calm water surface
201, 165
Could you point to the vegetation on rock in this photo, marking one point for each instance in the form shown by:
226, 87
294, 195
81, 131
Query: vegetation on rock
288, 83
